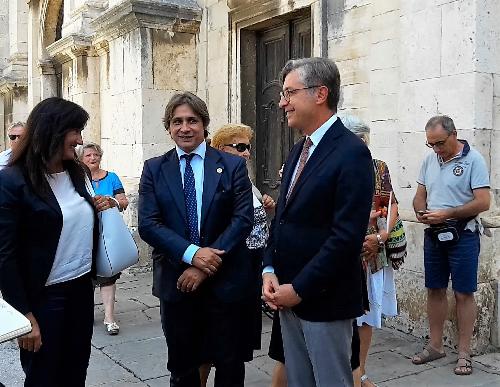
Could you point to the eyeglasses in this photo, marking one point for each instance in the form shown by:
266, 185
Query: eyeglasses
240, 147
437, 144
13, 137
286, 94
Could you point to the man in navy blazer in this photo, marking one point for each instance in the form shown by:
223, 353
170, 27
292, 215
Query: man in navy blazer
312, 262
195, 210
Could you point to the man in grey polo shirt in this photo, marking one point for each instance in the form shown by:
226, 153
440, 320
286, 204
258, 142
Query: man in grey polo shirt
453, 188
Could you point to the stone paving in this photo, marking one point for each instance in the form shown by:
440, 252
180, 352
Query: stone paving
137, 356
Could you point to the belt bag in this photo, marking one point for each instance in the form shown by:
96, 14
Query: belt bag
445, 234
116, 249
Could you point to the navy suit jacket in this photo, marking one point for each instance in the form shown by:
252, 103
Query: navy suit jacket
317, 236
30, 227
226, 221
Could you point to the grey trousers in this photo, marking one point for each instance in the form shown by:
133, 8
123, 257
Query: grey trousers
317, 353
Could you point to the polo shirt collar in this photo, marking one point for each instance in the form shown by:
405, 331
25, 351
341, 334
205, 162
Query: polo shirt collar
465, 150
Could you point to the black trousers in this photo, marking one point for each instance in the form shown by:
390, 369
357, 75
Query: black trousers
65, 315
200, 332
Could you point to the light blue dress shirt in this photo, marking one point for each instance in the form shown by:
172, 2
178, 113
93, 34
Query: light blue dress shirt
198, 166
315, 137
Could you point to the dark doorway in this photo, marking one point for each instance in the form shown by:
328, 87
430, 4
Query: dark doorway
273, 139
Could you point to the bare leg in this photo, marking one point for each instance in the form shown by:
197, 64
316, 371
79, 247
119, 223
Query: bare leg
279, 375
437, 310
466, 316
356, 375
365, 341
204, 372
108, 300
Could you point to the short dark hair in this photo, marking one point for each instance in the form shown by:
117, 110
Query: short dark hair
445, 121
46, 128
317, 71
193, 101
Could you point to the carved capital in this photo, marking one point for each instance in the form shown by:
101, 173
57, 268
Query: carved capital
46, 67
170, 15
70, 47
102, 47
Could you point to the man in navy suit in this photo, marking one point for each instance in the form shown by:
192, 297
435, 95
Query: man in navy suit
312, 262
195, 210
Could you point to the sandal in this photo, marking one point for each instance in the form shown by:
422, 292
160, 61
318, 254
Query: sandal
464, 365
112, 328
427, 355
365, 379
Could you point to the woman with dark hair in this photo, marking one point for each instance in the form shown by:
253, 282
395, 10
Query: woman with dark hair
48, 231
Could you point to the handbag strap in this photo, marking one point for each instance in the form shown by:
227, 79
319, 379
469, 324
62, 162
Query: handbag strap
88, 185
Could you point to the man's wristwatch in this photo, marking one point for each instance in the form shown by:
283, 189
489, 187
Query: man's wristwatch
380, 241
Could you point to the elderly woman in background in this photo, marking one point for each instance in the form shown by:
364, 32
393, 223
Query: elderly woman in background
379, 269
109, 185
48, 240
235, 139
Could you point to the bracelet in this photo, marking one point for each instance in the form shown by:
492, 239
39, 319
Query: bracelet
116, 201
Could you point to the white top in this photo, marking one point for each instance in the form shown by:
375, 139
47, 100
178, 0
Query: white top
4, 158
74, 250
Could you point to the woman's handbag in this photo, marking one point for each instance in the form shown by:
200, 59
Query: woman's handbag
395, 246
116, 250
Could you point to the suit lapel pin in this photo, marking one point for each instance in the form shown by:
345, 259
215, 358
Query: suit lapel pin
219, 170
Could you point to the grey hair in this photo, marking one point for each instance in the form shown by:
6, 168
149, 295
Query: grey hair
89, 145
16, 124
316, 72
445, 121
356, 125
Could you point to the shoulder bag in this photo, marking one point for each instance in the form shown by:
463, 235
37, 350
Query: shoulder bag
116, 250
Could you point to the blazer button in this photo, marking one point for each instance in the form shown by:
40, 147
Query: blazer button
282, 221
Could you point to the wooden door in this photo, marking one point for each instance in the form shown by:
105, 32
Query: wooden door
274, 139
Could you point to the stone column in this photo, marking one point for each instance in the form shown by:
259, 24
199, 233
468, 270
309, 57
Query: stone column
48, 79
147, 51
78, 62
33, 52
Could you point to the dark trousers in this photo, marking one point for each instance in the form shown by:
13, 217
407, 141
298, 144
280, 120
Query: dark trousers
64, 313
192, 328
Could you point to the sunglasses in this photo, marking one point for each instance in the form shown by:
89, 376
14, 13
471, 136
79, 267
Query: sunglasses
14, 137
240, 147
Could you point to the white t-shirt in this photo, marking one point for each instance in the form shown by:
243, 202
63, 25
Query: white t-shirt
74, 250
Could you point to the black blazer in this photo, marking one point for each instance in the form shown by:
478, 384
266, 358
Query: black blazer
317, 236
30, 227
226, 221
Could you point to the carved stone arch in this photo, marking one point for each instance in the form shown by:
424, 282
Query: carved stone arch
49, 20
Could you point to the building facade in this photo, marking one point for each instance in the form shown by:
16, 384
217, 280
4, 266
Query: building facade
401, 62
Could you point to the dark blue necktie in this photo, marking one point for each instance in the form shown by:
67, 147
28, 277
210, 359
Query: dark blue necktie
190, 199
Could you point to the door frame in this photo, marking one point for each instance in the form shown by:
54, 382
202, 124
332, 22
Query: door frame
244, 25
260, 14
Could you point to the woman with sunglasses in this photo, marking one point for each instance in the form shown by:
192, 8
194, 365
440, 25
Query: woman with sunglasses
235, 139
48, 240
108, 184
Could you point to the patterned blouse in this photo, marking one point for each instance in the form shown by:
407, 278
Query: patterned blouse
383, 189
260, 232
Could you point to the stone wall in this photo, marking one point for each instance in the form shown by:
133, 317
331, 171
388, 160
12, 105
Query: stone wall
402, 62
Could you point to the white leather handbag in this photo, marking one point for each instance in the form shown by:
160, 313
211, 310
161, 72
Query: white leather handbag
116, 249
